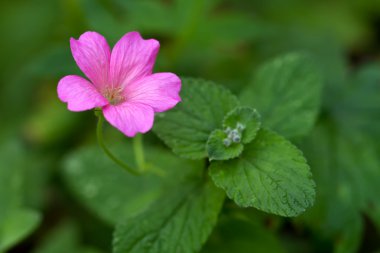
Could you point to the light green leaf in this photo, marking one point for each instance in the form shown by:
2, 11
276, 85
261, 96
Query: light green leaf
271, 175
16, 226
110, 192
187, 127
220, 147
286, 92
180, 222
247, 119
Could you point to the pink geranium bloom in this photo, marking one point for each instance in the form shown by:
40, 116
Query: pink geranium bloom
121, 82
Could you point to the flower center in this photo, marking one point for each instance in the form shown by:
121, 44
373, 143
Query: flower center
113, 95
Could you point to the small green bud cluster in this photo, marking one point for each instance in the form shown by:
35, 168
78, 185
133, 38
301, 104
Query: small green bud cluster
233, 135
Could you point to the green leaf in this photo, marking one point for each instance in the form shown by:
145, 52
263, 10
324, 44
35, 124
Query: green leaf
351, 162
22, 176
240, 126
350, 239
242, 235
247, 118
286, 92
16, 220
52, 123
62, 239
271, 175
374, 214
110, 192
219, 149
16, 226
186, 128
358, 107
180, 222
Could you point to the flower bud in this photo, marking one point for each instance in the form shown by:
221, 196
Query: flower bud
227, 142
236, 138
240, 126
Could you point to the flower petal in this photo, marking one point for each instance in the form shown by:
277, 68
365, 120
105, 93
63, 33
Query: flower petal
92, 54
79, 94
132, 57
130, 118
160, 91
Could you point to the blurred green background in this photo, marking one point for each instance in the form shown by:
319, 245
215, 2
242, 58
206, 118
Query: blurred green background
220, 40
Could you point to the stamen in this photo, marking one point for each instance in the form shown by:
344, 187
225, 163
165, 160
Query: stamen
114, 95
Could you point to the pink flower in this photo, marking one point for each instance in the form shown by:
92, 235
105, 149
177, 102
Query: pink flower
121, 82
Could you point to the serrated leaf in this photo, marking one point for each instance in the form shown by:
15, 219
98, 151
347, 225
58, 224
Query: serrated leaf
286, 92
217, 149
271, 175
110, 192
247, 118
180, 222
239, 126
187, 127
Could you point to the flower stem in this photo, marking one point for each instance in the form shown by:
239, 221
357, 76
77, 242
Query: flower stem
138, 149
99, 134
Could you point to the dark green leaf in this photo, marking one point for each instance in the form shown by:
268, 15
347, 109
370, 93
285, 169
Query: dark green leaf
187, 127
112, 193
180, 222
286, 92
350, 239
357, 108
271, 175
16, 220
62, 239
220, 147
244, 119
351, 162
240, 235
